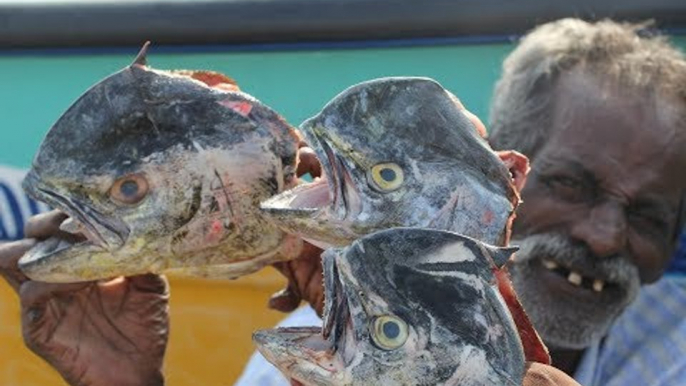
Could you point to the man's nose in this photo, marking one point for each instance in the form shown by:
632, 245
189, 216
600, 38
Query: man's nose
604, 230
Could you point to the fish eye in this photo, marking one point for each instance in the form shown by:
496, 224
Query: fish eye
389, 332
386, 177
130, 189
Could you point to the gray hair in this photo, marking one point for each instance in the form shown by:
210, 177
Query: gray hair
521, 111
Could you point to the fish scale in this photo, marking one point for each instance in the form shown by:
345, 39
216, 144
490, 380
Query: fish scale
458, 328
185, 141
452, 180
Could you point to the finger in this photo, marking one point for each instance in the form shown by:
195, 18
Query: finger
44, 225
150, 282
10, 253
538, 374
34, 294
308, 163
285, 300
518, 165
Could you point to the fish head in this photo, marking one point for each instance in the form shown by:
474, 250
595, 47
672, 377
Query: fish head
405, 306
397, 152
153, 167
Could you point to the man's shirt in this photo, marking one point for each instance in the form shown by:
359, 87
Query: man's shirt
646, 346
678, 264
15, 206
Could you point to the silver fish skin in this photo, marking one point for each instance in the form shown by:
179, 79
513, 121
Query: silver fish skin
160, 171
397, 152
410, 307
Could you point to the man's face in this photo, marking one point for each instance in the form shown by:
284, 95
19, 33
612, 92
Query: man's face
599, 211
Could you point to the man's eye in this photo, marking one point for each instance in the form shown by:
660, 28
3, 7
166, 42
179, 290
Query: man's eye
568, 189
647, 221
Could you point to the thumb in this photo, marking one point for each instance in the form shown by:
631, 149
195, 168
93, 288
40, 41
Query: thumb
285, 300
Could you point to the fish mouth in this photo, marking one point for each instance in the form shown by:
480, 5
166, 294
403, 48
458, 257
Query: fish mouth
89, 232
315, 355
321, 212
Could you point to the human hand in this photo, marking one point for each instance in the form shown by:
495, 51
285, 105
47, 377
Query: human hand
538, 374
92, 333
304, 273
305, 281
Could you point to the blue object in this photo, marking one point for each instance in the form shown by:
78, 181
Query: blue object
15, 206
678, 264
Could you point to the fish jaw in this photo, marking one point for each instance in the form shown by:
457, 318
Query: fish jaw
324, 212
58, 261
96, 237
187, 134
317, 225
302, 354
104, 231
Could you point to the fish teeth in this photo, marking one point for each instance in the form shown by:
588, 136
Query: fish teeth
551, 265
574, 278
598, 285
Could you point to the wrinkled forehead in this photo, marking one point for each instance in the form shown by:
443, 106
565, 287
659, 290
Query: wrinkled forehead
643, 112
619, 132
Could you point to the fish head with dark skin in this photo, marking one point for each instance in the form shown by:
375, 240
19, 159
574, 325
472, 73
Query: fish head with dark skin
161, 170
397, 152
406, 306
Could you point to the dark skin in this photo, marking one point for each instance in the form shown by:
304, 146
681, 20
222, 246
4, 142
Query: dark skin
304, 274
104, 333
116, 333
123, 323
616, 194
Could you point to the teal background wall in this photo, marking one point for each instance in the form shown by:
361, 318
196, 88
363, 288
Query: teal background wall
35, 89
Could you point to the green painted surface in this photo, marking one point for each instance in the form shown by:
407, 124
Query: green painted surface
35, 90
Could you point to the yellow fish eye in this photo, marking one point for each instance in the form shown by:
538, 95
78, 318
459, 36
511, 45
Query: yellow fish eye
389, 332
386, 177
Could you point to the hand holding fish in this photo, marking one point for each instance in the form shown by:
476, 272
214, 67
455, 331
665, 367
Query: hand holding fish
538, 374
304, 274
92, 333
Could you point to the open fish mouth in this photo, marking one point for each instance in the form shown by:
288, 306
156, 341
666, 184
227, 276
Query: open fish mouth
89, 232
325, 207
314, 355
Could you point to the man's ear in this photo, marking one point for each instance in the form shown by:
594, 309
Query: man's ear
518, 164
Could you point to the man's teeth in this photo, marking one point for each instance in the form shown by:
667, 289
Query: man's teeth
598, 285
575, 278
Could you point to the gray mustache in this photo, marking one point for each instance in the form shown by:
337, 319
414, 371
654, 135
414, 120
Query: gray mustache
617, 268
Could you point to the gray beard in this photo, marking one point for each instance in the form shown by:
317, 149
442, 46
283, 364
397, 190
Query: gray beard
565, 322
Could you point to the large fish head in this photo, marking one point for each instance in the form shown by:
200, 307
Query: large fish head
397, 152
406, 306
154, 168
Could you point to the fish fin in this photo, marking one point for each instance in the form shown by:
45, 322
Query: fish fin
534, 348
142, 57
501, 255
